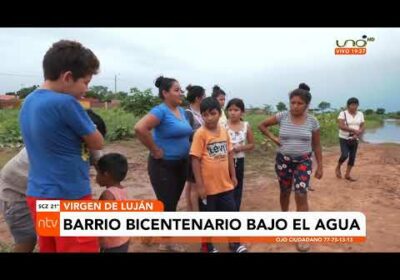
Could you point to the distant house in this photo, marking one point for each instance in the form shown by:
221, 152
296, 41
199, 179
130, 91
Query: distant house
9, 101
114, 103
95, 103
92, 102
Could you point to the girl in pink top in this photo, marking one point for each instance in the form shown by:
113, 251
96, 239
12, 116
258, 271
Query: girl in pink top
111, 170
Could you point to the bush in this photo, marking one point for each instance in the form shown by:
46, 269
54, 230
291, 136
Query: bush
369, 112
140, 102
119, 123
10, 135
380, 111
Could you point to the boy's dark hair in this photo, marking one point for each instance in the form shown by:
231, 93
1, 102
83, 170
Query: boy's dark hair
303, 92
163, 83
352, 100
194, 92
115, 164
237, 102
217, 91
209, 104
71, 56
98, 121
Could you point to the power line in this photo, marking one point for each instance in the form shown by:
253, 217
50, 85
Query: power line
19, 75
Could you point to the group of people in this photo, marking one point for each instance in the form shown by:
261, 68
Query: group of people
207, 149
199, 146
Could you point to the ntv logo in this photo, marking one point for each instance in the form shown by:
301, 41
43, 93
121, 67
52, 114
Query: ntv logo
353, 47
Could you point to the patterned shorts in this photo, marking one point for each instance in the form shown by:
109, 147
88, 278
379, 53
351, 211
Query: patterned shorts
293, 172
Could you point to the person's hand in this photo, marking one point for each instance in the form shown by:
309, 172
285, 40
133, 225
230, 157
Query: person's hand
157, 153
318, 173
202, 193
237, 149
234, 181
276, 140
358, 132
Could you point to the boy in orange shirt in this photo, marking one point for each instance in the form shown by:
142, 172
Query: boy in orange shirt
213, 166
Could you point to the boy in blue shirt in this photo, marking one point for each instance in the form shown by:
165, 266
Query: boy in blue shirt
57, 133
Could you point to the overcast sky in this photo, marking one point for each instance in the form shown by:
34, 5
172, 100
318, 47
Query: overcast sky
259, 65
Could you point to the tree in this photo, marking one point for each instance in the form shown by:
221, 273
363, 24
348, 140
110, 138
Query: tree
324, 105
268, 109
24, 92
380, 111
100, 92
281, 107
120, 95
91, 94
369, 112
140, 102
10, 93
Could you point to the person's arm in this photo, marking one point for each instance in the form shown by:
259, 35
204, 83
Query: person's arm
362, 129
316, 144
107, 195
196, 150
264, 128
344, 127
232, 171
94, 141
143, 131
231, 152
95, 155
250, 142
198, 176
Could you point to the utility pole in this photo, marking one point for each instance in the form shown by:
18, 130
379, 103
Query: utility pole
115, 83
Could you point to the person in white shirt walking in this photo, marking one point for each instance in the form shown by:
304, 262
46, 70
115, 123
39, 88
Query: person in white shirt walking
351, 127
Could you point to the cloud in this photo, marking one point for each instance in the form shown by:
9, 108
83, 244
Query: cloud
261, 65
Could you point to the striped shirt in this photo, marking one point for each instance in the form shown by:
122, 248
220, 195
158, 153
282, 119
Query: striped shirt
295, 139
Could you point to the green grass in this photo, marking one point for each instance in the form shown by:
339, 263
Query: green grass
254, 120
374, 120
120, 126
393, 115
119, 123
10, 135
329, 129
327, 121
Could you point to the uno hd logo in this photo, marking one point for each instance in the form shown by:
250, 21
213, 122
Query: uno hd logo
353, 47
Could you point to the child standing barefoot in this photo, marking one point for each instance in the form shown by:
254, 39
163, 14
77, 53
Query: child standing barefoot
111, 170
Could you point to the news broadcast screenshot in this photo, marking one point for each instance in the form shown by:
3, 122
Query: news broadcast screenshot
199, 140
